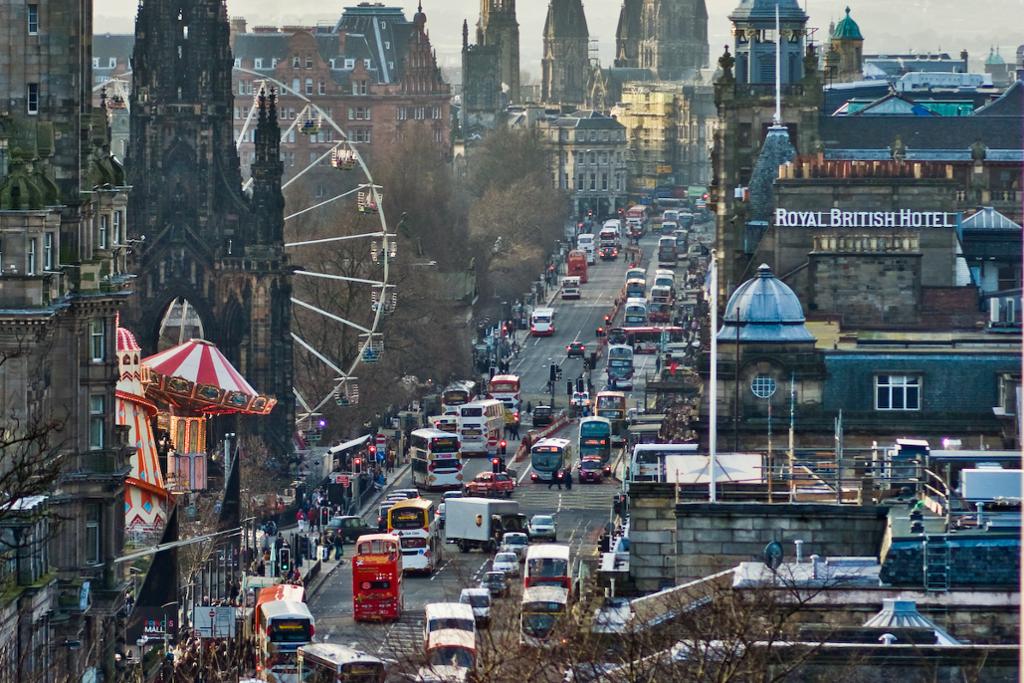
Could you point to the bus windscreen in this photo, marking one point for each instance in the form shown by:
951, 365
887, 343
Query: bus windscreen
407, 518
594, 430
290, 631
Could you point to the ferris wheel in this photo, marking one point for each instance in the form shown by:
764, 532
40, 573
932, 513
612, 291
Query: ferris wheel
362, 273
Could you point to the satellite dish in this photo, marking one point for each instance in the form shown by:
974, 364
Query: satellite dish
772, 555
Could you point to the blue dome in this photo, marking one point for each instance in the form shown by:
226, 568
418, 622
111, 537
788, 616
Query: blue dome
764, 309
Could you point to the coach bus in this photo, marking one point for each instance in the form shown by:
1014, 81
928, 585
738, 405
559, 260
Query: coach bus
377, 578
435, 459
334, 663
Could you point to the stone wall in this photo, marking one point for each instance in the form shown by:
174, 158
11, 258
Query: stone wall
711, 537
865, 289
652, 536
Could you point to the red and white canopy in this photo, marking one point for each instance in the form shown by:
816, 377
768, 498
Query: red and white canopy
197, 376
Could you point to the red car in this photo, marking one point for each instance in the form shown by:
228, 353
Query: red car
491, 484
591, 470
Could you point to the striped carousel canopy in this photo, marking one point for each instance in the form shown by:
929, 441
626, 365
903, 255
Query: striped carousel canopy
196, 375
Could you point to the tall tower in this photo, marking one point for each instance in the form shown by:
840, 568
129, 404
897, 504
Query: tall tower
498, 28
674, 37
566, 58
846, 50
627, 34
206, 241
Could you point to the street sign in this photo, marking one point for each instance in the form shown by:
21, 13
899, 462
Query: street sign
342, 479
214, 622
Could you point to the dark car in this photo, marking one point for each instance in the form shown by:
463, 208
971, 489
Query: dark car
576, 348
496, 583
591, 470
608, 253
543, 416
351, 526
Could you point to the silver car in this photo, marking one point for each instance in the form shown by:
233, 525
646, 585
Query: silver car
515, 542
506, 562
542, 526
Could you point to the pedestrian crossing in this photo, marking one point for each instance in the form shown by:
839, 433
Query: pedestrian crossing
539, 498
403, 639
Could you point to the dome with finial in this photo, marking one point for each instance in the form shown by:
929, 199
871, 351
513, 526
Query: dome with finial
994, 58
764, 309
847, 28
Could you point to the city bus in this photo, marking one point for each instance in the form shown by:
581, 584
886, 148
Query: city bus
542, 322
541, 609
547, 564
634, 313
285, 625
619, 365
667, 251
457, 394
647, 462
547, 456
596, 438
377, 578
636, 274
506, 388
665, 278
576, 265
415, 523
611, 405
636, 288
435, 459
648, 339
332, 663
481, 424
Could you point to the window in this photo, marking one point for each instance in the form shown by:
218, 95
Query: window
97, 341
241, 87
579, 181
763, 386
401, 113
391, 65
604, 181
359, 134
104, 228
33, 98
350, 63
296, 85
117, 227
258, 63
112, 63
321, 88
421, 113
238, 62
387, 44
358, 87
593, 181
30, 257
93, 513
438, 135
309, 86
897, 392
95, 62
309, 62
48, 251
296, 62
97, 421
33, 20
273, 63
367, 63
435, 113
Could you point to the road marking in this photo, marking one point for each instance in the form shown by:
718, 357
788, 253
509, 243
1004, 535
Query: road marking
523, 475
559, 508
439, 569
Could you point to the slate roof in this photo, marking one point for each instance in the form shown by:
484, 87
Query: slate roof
989, 219
588, 120
117, 45
776, 150
922, 132
896, 65
1010, 103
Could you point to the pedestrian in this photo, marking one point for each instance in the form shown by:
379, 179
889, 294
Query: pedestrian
515, 431
552, 480
568, 480
558, 479
300, 518
339, 545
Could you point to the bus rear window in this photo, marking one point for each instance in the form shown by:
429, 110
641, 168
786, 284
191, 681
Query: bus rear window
412, 542
472, 412
444, 444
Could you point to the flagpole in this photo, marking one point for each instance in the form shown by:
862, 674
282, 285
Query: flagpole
713, 411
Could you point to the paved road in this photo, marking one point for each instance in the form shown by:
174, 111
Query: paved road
580, 513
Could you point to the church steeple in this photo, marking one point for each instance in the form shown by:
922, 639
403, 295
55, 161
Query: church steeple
566, 53
267, 171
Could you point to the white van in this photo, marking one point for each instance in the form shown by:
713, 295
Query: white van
585, 243
542, 322
670, 215
570, 287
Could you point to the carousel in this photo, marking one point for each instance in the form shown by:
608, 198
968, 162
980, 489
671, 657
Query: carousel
192, 382
146, 498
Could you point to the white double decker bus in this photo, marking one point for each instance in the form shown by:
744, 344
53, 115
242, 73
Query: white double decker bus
481, 424
435, 459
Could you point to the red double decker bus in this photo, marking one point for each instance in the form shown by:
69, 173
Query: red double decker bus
377, 578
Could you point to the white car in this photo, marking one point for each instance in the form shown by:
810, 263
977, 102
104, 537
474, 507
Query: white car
515, 542
506, 562
542, 526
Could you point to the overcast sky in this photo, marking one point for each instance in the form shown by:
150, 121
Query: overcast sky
919, 25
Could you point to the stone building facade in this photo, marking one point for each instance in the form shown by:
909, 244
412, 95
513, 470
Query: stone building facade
587, 153
483, 102
498, 28
62, 283
565, 64
845, 56
669, 127
669, 37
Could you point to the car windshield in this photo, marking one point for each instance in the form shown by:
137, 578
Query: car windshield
476, 599
515, 539
590, 465
451, 656
543, 520
542, 410
505, 558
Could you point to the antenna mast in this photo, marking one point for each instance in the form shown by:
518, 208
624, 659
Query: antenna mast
778, 70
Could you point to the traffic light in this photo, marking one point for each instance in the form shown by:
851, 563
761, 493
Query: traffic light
568, 387
284, 560
558, 372
503, 446
579, 384
372, 449
357, 465
552, 376
586, 363
496, 465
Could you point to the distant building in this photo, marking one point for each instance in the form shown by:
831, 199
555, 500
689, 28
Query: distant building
483, 102
588, 160
498, 28
669, 37
669, 128
566, 61
1001, 72
844, 58
895, 65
